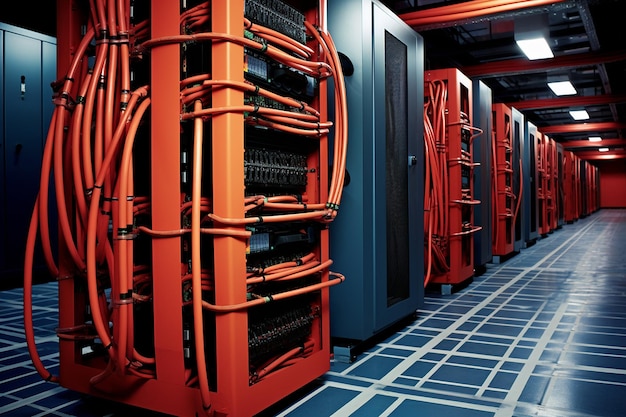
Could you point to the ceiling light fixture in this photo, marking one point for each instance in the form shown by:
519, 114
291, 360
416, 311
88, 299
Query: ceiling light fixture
603, 149
531, 33
579, 114
562, 88
536, 48
595, 139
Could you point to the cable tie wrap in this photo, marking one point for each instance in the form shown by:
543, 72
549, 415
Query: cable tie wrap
103, 38
121, 38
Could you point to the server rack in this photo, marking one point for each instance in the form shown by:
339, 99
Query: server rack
592, 188
552, 183
596, 194
559, 186
530, 201
504, 197
543, 183
210, 161
449, 216
380, 242
570, 197
482, 109
517, 145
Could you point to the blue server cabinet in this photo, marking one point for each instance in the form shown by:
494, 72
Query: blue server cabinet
377, 240
529, 197
28, 68
482, 113
518, 176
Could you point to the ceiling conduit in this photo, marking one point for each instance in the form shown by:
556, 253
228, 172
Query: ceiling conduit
524, 66
468, 10
554, 103
572, 144
582, 127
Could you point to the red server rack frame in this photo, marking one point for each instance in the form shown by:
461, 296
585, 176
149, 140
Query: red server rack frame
167, 387
570, 202
543, 174
502, 174
453, 143
553, 188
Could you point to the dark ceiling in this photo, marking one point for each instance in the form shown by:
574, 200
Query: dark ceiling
588, 45
477, 36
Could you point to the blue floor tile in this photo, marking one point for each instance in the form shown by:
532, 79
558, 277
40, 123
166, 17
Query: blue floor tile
534, 336
410, 408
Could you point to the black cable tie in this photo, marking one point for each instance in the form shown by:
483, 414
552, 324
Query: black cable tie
105, 213
71, 79
264, 47
260, 219
270, 298
256, 89
263, 276
122, 231
127, 295
299, 262
299, 197
109, 346
121, 38
80, 100
49, 377
304, 206
89, 191
256, 109
97, 186
302, 106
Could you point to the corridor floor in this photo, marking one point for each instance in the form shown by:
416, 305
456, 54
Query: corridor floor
541, 334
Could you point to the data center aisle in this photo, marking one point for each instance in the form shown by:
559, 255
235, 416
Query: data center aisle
542, 334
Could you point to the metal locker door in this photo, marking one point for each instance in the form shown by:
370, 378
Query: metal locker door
398, 80
3, 226
23, 139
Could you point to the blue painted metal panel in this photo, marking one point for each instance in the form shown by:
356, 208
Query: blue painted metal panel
2, 149
529, 198
483, 100
518, 176
363, 235
22, 138
28, 67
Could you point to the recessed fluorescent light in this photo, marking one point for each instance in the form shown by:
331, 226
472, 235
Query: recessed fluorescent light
603, 149
536, 48
562, 88
595, 139
579, 114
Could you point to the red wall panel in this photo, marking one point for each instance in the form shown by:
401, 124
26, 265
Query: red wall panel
612, 183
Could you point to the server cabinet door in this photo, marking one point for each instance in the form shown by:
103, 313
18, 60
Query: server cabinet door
398, 85
3, 225
23, 139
